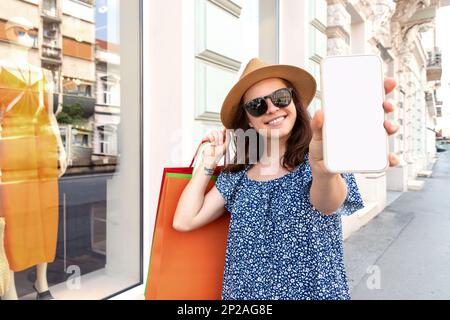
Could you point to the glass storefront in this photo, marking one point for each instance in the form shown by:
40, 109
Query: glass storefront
70, 146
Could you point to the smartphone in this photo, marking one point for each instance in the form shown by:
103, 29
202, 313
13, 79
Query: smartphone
354, 137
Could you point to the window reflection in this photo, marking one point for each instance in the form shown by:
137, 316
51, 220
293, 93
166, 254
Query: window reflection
77, 47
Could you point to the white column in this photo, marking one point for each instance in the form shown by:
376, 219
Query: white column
294, 44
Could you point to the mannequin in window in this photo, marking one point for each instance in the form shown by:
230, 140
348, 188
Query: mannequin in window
30, 149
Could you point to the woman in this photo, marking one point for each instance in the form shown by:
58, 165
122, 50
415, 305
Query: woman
285, 237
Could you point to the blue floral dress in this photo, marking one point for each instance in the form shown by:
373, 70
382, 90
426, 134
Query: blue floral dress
279, 246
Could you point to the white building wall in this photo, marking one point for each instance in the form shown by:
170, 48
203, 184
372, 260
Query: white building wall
303, 40
79, 10
33, 54
78, 68
77, 29
294, 24
20, 9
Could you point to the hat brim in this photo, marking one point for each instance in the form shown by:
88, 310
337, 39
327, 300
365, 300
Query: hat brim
302, 81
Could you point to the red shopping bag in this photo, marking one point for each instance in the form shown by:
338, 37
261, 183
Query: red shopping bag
185, 265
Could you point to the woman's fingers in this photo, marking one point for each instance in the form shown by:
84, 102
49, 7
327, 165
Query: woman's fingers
222, 137
211, 137
389, 85
390, 127
227, 136
316, 125
388, 106
216, 138
393, 160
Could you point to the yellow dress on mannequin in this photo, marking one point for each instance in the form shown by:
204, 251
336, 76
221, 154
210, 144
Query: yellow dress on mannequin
29, 166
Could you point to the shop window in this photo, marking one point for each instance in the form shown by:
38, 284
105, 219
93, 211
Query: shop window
90, 242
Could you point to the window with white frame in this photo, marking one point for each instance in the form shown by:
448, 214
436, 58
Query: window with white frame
228, 35
317, 45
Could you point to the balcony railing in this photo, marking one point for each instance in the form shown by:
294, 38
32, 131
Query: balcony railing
51, 52
51, 42
434, 65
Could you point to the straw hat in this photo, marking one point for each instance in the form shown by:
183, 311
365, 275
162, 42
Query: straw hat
257, 70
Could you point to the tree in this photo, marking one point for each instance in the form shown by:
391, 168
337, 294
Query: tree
71, 114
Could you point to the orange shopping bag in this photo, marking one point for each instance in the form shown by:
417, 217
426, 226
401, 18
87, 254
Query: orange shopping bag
185, 265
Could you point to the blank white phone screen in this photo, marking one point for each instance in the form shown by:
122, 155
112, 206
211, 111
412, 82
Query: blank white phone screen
352, 99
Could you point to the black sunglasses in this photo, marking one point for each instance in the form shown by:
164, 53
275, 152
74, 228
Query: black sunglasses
281, 98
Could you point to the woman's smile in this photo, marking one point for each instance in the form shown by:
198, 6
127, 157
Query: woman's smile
276, 122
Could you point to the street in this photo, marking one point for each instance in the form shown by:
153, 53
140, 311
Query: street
404, 253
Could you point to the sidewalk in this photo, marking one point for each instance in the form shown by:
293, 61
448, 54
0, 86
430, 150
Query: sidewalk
405, 250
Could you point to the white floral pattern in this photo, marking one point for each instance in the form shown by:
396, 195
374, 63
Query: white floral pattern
279, 246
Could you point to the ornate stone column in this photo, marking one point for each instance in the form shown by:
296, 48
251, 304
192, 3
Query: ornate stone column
380, 18
338, 30
406, 47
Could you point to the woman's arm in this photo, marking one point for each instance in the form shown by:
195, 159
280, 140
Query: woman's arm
195, 209
328, 192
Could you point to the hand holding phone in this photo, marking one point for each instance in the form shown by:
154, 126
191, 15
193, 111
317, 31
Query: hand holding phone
354, 136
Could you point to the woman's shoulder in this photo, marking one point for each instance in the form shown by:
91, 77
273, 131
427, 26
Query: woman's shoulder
303, 171
233, 174
228, 182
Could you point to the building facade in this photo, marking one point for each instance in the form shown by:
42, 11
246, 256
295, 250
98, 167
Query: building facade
138, 86
394, 30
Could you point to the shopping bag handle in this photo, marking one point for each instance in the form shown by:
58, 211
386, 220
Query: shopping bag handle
196, 151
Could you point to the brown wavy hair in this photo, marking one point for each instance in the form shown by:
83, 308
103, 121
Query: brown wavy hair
297, 145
